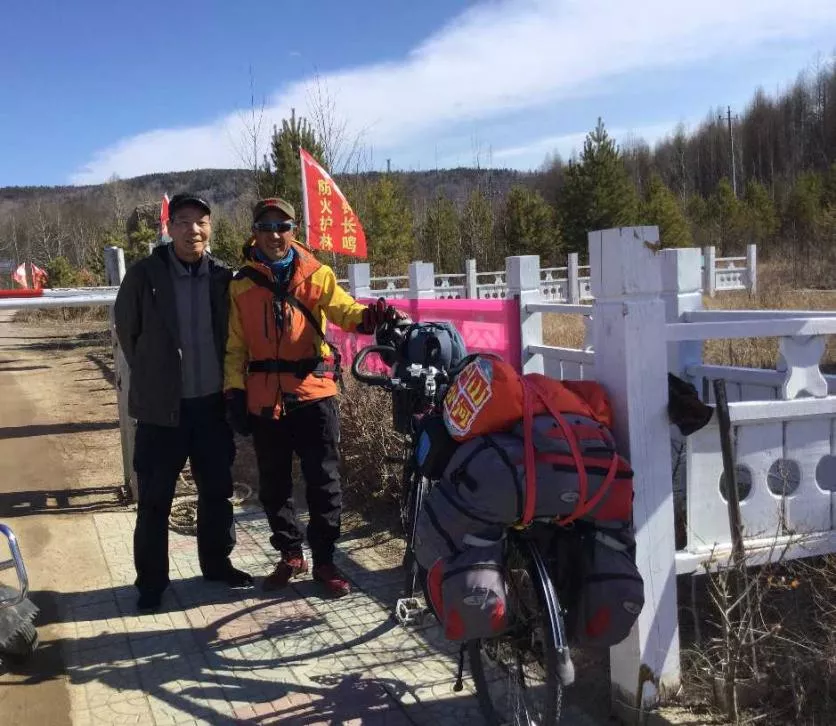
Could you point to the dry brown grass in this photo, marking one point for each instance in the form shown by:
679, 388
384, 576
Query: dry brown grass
372, 451
793, 605
567, 331
564, 331
763, 352
93, 314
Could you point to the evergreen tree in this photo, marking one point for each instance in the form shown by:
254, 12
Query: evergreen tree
227, 241
727, 217
660, 207
387, 221
530, 226
61, 273
761, 217
477, 228
441, 237
282, 174
598, 193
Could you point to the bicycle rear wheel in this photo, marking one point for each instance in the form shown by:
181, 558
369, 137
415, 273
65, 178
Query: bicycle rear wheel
517, 674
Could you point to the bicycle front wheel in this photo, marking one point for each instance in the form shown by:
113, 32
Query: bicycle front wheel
415, 500
517, 674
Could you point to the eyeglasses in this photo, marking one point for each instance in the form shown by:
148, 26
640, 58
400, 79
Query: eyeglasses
274, 226
203, 224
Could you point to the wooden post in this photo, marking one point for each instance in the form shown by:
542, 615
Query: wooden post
522, 275
709, 270
421, 281
752, 268
574, 292
360, 280
631, 363
115, 272
471, 281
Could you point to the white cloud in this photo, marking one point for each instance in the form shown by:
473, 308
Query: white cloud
495, 58
568, 144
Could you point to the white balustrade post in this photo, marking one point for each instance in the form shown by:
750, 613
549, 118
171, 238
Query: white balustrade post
574, 292
421, 281
360, 280
682, 292
114, 273
631, 363
471, 281
710, 270
752, 268
523, 280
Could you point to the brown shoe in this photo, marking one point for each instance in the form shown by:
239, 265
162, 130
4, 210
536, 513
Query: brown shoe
332, 580
286, 570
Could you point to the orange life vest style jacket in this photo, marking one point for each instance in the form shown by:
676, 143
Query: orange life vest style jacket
273, 351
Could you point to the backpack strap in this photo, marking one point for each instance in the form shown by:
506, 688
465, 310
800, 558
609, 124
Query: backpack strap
259, 278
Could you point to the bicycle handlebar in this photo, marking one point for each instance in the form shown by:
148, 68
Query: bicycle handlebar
368, 378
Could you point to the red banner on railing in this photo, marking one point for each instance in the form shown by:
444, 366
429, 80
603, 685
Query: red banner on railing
487, 326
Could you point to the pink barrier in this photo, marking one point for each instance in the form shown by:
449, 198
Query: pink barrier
487, 326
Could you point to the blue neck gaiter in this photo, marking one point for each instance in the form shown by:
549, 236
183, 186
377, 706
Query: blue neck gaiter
281, 269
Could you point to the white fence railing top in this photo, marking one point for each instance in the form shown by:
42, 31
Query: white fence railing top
730, 330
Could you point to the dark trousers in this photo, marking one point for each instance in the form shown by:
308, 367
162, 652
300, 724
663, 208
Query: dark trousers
312, 431
160, 452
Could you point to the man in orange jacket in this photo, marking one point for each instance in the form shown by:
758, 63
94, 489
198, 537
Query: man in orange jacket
280, 385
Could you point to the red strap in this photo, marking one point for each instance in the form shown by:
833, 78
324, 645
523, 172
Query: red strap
530, 498
532, 389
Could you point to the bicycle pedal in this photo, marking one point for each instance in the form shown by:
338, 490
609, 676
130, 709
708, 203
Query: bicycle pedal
409, 611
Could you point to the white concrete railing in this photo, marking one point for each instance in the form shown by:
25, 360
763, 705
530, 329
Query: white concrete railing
571, 284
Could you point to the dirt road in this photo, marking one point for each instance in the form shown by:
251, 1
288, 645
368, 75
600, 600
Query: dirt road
60, 461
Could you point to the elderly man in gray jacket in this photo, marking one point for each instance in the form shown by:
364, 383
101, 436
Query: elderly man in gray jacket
171, 320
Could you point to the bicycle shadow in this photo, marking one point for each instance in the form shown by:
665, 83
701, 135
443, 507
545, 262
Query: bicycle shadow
199, 670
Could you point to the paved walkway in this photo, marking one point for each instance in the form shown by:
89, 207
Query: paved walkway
215, 657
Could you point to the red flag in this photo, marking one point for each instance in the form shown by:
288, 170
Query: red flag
39, 277
164, 218
19, 275
330, 221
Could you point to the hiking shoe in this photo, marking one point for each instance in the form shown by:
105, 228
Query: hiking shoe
332, 579
232, 576
286, 570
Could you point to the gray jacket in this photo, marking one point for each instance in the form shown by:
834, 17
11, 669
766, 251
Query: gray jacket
148, 331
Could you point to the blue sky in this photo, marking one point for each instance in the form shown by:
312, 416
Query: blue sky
89, 89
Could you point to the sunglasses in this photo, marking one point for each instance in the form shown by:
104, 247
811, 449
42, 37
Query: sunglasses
274, 226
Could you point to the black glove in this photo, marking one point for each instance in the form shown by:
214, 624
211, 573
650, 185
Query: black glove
236, 411
376, 315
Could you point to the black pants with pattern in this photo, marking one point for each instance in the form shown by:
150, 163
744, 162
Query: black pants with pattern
160, 453
312, 431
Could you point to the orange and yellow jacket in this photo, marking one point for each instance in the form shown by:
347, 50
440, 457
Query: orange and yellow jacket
273, 351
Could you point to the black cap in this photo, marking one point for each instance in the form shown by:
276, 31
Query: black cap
178, 201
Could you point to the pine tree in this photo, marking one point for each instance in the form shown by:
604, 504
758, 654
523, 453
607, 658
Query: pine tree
728, 218
529, 226
660, 207
227, 241
761, 217
387, 221
598, 193
281, 175
441, 237
477, 228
